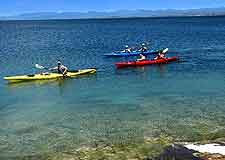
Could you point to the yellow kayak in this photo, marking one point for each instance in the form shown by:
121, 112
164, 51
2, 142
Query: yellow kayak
46, 76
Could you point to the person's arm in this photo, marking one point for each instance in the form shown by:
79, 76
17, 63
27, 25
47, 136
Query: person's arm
157, 57
65, 71
143, 57
54, 68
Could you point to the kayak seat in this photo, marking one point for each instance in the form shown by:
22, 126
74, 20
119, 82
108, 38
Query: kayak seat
46, 74
30, 75
74, 71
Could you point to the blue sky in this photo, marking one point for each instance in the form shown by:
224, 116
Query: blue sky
13, 7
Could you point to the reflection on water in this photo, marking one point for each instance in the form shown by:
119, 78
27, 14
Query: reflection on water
161, 69
34, 83
144, 70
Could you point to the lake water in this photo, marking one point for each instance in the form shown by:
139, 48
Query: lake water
185, 100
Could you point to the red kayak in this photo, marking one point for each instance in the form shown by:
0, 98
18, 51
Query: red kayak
145, 62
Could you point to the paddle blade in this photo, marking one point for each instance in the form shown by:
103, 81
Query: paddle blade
165, 50
39, 66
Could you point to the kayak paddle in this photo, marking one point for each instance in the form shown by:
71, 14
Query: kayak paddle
40, 67
165, 50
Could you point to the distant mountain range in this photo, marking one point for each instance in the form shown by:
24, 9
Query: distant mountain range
118, 14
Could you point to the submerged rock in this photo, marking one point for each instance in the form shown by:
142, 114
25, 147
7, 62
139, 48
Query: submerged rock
177, 152
193, 152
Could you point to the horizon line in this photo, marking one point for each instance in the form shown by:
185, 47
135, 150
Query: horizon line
111, 11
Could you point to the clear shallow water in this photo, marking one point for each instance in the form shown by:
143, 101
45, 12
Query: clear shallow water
113, 106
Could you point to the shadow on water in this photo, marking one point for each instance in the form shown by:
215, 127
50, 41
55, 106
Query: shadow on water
57, 82
143, 70
61, 86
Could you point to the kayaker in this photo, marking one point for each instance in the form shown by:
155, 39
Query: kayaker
142, 57
60, 68
127, 49
143, 48
161, 55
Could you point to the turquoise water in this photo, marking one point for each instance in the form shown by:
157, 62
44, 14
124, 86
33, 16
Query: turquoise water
114, 106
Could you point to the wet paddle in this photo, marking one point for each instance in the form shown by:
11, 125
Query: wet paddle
40, 66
